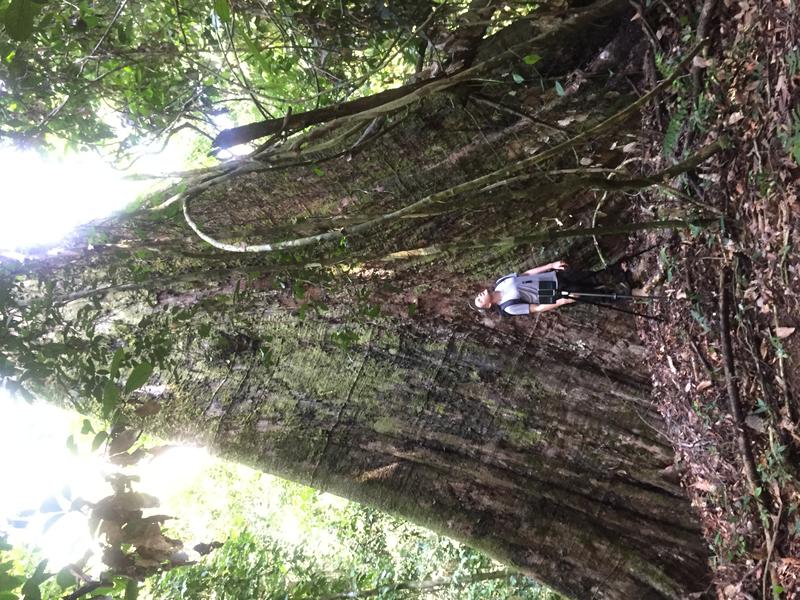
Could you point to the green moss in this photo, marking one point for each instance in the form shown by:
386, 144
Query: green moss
387, 425
522, 436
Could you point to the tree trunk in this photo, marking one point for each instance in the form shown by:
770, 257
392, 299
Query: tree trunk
537, 445
533, 440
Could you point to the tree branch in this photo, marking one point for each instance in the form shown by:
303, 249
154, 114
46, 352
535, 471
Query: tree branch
734, 403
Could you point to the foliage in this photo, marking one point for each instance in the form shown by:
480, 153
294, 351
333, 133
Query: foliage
41, 347
114, 75
245, 567
10, 579
348, 549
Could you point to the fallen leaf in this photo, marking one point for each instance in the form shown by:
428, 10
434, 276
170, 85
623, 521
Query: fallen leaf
704, 486
702, 63
731, 591
126, 459
704, 385
784, 332
122, 439
756, 423
735, 118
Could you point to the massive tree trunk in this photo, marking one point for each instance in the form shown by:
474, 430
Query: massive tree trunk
536, 444
533, 440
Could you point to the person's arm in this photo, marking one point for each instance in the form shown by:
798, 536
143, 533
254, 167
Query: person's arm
540, 308
558, 265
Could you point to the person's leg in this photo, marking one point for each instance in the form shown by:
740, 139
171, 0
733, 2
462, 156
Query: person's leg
592, 282
578, 281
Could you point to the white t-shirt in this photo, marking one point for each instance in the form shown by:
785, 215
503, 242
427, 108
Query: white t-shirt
527, 289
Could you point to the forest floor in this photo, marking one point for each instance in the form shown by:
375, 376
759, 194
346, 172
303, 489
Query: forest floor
747, 87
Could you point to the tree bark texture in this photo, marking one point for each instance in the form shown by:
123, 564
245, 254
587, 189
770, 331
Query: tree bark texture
538, 445
534, 440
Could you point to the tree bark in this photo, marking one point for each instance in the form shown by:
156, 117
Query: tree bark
539, 445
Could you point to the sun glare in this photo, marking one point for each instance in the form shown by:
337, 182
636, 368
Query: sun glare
36, 467
38, 471
43, 198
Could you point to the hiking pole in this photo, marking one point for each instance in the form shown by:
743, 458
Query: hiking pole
577, 298
608, 296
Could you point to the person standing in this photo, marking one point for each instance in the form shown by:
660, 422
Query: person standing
539, 290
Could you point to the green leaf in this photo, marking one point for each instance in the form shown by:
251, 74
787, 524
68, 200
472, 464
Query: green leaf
65, 578
9, 582
517, 78
124, 35
119, 356
71, 444
138, 377
111, 398
531, 59
87, 427
31, 589
19, 19
98, 440
131, 590
266, 356
223, 10
560, 89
